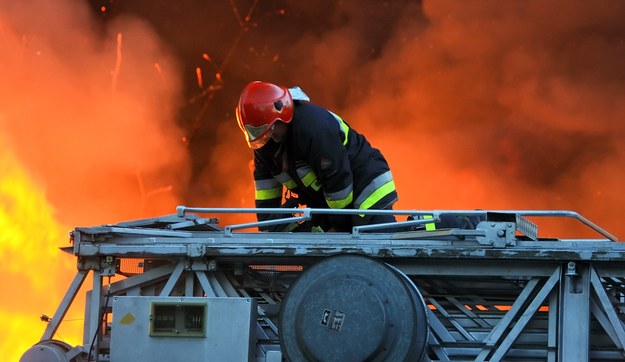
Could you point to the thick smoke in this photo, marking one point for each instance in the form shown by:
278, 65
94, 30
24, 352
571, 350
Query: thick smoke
523, 100
476, 105
489, 104
91, 110
87, 136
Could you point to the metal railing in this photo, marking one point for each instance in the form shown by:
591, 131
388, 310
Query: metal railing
426, 216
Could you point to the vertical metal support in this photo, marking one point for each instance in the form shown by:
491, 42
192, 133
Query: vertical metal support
86, 332
552, 327
574, 321
94, 314
189, 284
53, 326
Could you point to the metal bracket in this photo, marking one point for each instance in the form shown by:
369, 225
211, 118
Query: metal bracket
201, 265
497, 234
573, 275
108, 265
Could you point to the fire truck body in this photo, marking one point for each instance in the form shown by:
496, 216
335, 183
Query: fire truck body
193, 290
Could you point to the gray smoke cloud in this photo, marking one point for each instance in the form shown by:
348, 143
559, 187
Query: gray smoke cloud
476, 105
489, 104
480, 105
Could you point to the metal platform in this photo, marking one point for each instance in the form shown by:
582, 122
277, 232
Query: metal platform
495, 292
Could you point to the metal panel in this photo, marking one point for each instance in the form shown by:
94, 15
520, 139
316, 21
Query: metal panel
228, 335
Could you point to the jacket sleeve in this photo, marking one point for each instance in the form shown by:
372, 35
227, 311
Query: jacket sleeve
330, 161
328, 157
268, 191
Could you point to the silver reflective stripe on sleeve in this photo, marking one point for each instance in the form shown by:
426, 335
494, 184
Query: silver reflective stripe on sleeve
340, 199
267, 189
308, 177
286, 180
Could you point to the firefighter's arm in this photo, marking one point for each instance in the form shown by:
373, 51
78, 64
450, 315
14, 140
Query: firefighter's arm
330, 162
267, 192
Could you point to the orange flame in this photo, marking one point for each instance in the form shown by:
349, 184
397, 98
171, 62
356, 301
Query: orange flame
93, 142
91, 145
28, 247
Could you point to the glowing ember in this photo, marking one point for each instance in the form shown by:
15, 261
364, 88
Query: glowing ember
198, 73
118, 61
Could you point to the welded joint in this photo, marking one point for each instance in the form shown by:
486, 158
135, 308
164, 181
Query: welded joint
196, 250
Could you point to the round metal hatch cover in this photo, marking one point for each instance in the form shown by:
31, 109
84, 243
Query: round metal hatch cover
352, 308
47, 351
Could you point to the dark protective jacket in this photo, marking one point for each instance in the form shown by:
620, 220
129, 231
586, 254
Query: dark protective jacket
326, 164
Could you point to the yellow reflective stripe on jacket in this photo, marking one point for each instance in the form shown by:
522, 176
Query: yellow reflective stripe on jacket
286, 180
340, 203
340, 199
430, 226
377, 195
308, 177
344, 127
267, 189
381, 186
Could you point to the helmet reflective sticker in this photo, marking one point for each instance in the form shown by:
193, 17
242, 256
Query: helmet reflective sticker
298, 94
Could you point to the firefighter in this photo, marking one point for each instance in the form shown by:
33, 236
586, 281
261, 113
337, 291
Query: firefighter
310, 153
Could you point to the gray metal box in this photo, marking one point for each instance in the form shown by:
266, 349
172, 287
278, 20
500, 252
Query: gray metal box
182, 329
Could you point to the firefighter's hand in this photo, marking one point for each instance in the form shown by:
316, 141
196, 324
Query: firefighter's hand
291, 203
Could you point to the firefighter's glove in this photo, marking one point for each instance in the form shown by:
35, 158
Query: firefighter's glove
291, 227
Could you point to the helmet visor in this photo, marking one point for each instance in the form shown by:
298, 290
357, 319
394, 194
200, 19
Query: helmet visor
256, 136
262, 140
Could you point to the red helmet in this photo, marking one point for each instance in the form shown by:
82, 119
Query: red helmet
260, 106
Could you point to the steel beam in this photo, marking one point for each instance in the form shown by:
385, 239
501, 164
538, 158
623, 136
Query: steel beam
56, 320
574, 326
